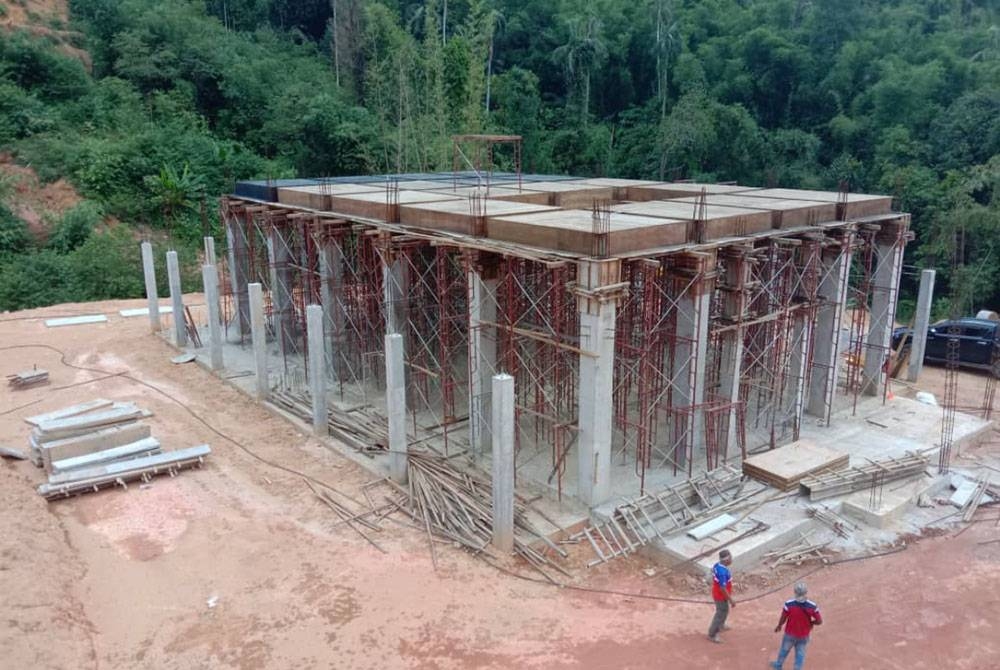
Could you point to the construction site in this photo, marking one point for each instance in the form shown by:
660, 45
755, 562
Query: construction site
510, 381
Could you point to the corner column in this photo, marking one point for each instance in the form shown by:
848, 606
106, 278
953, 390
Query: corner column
598, 290
823, 376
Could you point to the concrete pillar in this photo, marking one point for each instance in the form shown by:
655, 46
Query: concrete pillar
597, 344
331, 269
149, 274
889, 265
395, 403
797, 370
239, 262
734, 305
281, 290
209, 250
394, 292
210, 278
836, 264
482, 358
317, 369
176, 298
503, 463
921, 321
258, 331
691, 353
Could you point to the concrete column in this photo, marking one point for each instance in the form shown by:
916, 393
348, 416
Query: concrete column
797, 369
317, 369
281, 290
889, 265
209, 250
258, 331
921, 321
597, 342
210, 278
239, 262
149, 274
331, 269
395, 402
503, 463
826, 348
691, 353
482, 358
394, 292
176, 298
734, 304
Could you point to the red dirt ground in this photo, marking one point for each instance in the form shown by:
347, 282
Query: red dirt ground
121, 579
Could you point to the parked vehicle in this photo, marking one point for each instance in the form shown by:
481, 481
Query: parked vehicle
978, 342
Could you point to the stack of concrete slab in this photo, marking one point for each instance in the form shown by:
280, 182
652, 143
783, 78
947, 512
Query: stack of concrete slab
97, 443
785, 467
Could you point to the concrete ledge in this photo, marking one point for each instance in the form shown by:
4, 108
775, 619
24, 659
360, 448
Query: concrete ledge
896, 500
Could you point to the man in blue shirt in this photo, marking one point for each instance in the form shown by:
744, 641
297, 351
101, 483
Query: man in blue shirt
722, 594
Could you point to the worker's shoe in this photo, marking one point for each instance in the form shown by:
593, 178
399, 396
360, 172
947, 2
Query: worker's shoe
716, 639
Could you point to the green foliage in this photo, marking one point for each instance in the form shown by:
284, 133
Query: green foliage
107, 265
74, 227
14, 236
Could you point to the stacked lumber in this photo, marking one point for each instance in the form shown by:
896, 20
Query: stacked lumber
361, 428
100, 443
27, 379
784, 467
829, 484
798, 553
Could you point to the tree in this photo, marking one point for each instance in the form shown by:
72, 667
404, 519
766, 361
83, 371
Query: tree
583, 51
175, 191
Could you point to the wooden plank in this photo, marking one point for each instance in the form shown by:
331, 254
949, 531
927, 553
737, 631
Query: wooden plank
663, 190
785, 466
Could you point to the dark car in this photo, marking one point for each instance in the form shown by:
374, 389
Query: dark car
978, 342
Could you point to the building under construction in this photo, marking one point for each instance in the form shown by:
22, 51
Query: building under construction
653, 330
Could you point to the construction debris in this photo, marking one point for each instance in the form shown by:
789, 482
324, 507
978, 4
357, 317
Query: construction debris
829, 484
361, 428
798, 553
976, 499
15, 454
28, 379
831, 519
639, 521
459, 506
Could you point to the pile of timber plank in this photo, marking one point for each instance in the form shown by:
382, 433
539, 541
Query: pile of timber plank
27, 379
829, 484
361, 428
100, 443
784, 467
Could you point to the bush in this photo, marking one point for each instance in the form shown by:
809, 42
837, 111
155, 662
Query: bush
107, 265
14, 236
35, 279
74, 227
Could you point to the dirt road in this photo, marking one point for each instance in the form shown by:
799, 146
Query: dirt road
123, 579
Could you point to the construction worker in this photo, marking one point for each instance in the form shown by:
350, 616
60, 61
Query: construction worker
798, 616
722, 594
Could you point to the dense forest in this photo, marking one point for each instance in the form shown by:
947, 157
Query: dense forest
152, 109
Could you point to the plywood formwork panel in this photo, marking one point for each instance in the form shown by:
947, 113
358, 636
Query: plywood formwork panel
375, 205
573, 231
568, 194
318, 196
784, 213
461, 215
858, 204
786, 466
720, 221
621, 186
494, 191
667, 190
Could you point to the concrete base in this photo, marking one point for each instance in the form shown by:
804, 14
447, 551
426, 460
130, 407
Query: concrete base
786, 524
897, 499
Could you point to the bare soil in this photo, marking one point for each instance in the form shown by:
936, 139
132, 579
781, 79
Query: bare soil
45, 18
37, 204
124, 579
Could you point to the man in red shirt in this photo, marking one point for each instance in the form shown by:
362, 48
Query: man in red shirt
722, 594
798, 617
